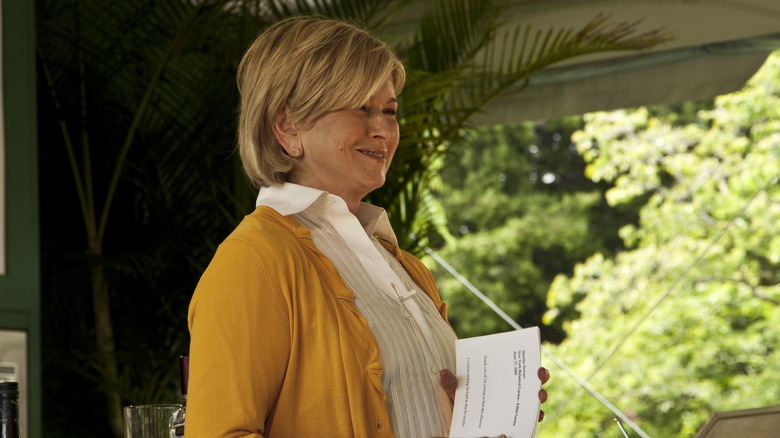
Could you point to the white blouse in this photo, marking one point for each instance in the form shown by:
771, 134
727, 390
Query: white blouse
415, 342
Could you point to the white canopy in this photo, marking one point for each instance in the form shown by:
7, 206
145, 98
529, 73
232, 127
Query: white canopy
748, 423
718, 46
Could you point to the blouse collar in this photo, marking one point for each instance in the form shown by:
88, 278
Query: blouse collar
289, 198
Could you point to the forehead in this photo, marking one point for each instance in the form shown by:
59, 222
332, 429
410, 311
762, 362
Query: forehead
358, 91
385, 93
387, 89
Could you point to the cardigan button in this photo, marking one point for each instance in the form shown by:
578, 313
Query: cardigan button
378, 425
370, 351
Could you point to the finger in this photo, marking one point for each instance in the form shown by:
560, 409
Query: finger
542, 395
448, 381
541, 416
544, 375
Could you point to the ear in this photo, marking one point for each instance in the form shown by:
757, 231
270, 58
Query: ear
284, 131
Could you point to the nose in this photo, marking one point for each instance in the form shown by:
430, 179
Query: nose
382, 127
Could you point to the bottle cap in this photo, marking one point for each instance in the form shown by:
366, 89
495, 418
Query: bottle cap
9, 390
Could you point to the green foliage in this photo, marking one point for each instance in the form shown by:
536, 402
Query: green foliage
521, 213
132, 111
686, 321
457, 62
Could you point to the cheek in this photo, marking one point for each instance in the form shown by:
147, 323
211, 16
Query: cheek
396, 130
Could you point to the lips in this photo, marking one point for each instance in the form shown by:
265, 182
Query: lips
373, 153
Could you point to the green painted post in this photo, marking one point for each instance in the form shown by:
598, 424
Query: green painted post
20, 315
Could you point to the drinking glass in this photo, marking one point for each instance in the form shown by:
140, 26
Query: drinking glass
149, 421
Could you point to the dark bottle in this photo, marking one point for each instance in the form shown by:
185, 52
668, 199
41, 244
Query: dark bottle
9, 410
177, 428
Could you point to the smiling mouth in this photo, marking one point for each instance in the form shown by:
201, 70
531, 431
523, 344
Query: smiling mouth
374, 153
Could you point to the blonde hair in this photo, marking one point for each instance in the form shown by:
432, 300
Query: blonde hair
310, 66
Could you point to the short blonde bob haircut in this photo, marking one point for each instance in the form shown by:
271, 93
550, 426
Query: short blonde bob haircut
309, 66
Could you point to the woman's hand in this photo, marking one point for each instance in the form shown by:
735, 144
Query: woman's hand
450, 383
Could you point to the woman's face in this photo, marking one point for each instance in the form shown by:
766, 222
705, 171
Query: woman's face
347, 153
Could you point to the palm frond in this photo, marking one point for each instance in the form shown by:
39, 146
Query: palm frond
510, 59
451, 32
369, 12
416, 215
459, 62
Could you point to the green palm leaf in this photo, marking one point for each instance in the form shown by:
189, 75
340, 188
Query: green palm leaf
371, 13
458, 62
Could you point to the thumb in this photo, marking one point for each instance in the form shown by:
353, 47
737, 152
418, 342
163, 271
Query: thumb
448, 381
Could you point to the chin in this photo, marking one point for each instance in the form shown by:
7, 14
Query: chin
378, 184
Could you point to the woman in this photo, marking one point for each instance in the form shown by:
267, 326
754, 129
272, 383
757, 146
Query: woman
310, 321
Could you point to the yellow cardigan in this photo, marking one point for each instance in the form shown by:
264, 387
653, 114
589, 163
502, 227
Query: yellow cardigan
278, 348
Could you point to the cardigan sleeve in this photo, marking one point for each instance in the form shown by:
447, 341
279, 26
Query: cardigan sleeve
235, 371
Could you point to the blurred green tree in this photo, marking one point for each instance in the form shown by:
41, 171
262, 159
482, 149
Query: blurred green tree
521, 212
685, 322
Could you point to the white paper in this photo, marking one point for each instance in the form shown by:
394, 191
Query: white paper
498, 385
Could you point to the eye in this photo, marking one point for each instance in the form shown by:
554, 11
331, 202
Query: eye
391, 112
